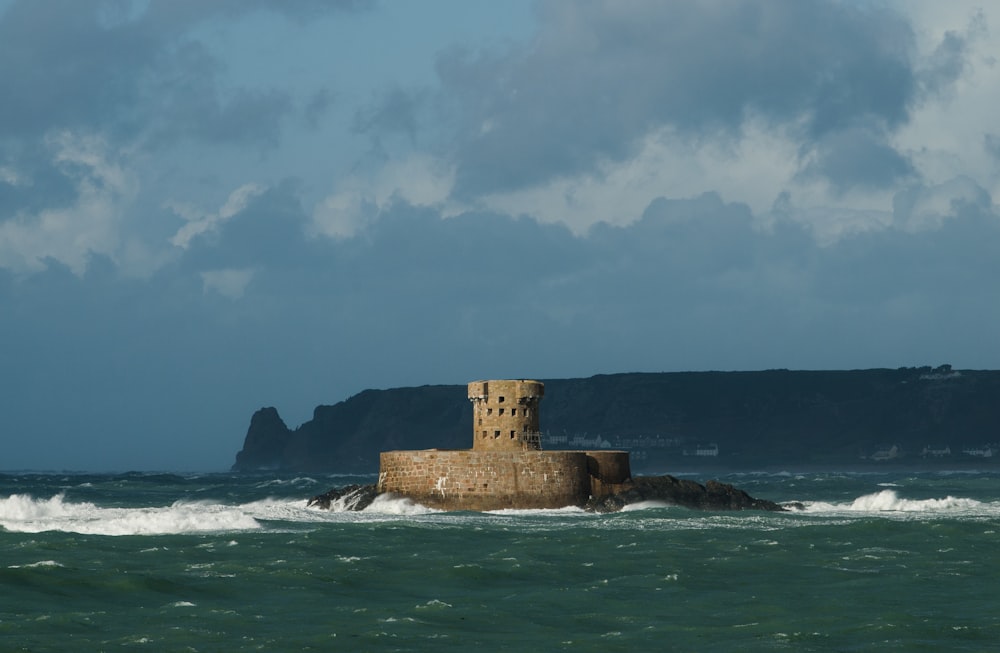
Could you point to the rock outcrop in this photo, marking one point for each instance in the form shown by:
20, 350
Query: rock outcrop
265, 442
713, 496
349, 497
680, 492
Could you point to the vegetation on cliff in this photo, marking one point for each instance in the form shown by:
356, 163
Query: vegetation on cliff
766, 418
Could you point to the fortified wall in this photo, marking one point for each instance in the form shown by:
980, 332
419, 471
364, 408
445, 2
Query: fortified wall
506, 467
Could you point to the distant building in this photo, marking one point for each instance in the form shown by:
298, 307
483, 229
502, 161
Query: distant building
703, 450
983, 451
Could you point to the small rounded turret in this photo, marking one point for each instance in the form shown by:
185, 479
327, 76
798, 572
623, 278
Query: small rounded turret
505, 415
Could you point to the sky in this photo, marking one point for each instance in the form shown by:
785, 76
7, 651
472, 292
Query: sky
211, 207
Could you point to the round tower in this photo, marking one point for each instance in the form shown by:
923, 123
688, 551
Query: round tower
505, 415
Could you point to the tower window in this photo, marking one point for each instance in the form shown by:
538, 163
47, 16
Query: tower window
501, 411
500, 400
496, 434
512, 435
513, 411
489, 411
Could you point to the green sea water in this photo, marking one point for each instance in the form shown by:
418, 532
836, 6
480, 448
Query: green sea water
890, 561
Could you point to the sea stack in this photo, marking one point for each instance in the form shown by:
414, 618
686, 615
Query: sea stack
506, 466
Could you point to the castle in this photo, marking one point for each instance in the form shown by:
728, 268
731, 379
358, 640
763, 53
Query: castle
506, 467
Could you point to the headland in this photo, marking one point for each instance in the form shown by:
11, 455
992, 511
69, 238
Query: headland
678, 422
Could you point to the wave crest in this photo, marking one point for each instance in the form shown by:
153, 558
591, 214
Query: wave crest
25, 514
890, 501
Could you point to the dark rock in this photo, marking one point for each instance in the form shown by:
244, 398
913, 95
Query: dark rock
680, 492
668, 489
349, 497
265, 442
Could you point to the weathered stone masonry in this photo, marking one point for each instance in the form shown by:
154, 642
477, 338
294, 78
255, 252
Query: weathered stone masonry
505, 415
506, 467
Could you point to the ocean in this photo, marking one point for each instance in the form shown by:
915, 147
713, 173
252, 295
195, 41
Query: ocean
895, 560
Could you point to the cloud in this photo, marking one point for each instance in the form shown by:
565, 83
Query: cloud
231, 283
991, 142
396, 110
856, 158
89, 225
755, 168
600, 76
418, 180
612, 104
200, 223
132, 69
191, 102
317, 106
926, 208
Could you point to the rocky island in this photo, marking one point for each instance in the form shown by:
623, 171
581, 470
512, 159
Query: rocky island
507, 468
666, 490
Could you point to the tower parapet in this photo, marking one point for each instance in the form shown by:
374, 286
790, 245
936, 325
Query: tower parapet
505, 415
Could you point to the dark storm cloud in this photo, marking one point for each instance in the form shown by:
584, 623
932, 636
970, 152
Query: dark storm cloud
599, 76
396, 110
856, 158
923, 287
186, 91
126, 68
267, 233
60, 68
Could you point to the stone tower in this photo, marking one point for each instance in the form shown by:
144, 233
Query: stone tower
505, 415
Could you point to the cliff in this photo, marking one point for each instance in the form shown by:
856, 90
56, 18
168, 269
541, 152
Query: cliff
767, 418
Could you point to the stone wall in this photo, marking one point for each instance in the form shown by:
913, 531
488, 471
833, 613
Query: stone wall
493, 480
609, 472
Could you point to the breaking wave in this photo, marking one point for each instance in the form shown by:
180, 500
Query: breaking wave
26, 514
888, 501
299, 481
388, 504
567, 510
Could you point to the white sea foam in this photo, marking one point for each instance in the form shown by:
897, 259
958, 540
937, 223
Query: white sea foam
26, 514
540, 511
40, 563
283, 510
889, 501
297, 481
644, 505
389, 504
